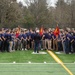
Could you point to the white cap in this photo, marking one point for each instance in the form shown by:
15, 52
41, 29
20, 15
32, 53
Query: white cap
37, 31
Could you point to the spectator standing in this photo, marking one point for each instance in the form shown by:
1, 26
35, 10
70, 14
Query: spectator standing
37, 39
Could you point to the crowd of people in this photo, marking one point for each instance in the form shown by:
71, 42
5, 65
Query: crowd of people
27, 39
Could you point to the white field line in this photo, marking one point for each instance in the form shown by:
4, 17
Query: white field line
36, 63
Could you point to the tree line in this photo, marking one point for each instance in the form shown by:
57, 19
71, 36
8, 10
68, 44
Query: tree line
37, 13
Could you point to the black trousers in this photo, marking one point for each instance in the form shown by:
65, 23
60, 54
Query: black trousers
73, 46
7, 45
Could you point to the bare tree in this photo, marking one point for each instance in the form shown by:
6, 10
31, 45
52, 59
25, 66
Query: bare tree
10, 13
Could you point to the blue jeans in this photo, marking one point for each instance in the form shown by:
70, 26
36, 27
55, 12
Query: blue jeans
64, 47
60, 46
0, 44
67, 47
36, 47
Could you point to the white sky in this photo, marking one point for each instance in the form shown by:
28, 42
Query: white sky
51, 2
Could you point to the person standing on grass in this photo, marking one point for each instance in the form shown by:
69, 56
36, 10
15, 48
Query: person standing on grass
19, 41
0, 40
10, 42
24, 41
54, 42
32, 39
8, 39
49, 41
46, 38
28, 34
73, 41
37, 39
59, 43
67, 39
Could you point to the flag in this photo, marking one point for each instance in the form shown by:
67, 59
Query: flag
41, 31
17, 32
56, 31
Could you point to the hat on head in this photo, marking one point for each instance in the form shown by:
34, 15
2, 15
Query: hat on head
37, 31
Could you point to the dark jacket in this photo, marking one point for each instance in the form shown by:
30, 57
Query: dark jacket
37, 37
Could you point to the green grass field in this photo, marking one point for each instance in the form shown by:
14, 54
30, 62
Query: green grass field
25, 57
37, 65
67, 58
32, 69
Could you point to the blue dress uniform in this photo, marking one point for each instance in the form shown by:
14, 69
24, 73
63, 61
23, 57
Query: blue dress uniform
28, 40
70, 44
46, 40
8, 38
19, 42
13, 40
49, 41
59, 42
3, 42
67, 50
32, 40
73, 44
24, 41
0, 42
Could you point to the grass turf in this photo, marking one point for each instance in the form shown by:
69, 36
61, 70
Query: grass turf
67, 58
71, 67
25, 57
32, 69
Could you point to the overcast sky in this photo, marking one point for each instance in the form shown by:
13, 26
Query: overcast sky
51, 2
